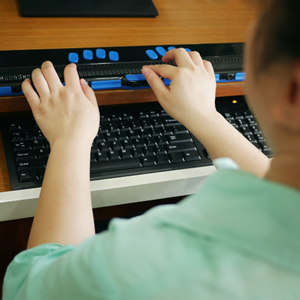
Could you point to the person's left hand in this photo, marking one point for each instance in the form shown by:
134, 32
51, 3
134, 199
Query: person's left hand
63, 113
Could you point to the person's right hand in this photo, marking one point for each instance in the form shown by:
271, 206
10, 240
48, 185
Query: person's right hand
191, 94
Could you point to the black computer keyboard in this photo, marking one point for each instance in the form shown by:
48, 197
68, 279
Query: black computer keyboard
132, 139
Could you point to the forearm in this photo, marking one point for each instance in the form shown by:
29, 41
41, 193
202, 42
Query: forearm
64, 211
221, 139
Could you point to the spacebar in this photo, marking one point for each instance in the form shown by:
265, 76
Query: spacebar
115, 165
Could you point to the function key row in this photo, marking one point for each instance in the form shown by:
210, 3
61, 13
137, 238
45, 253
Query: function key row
129, 117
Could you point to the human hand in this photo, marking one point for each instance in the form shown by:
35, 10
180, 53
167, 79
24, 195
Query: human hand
191, 94
64, 113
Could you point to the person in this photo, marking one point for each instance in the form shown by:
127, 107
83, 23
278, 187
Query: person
237, 238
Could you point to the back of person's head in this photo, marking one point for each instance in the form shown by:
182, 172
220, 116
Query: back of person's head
278, 33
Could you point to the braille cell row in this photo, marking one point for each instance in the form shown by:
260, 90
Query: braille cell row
89, 55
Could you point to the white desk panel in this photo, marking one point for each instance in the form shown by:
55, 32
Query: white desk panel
108, 192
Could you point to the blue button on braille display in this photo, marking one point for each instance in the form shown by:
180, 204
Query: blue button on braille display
100, 53
87, 54
217, 77
151, 54
113, 56
5, 90
167, 81
240, 76
106, 84
135, 77
170, 48
188, 50
73, 57
161, 51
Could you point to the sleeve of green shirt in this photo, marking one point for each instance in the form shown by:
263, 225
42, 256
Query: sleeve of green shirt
141, 258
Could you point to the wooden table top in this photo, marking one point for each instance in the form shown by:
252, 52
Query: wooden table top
179, 22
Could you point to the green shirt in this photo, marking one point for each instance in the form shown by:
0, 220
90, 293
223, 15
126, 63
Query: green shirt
237, 238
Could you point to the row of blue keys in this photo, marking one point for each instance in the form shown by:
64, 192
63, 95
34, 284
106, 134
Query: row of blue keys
89, 55
161, 51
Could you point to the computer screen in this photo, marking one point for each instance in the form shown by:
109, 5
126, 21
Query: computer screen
88, 8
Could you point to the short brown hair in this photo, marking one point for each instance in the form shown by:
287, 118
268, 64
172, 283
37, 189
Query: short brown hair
277, 35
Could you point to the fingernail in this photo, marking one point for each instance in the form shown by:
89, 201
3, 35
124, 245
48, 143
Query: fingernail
145, 71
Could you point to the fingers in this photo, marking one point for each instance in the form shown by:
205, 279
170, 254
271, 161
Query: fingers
30, 94
186, 59
40, 84
208, 66
51, 76
71, 76
181, 57
155, 82
87, 90
196, 58
165, 71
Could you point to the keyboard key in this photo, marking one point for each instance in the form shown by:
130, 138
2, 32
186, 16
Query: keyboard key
22, 146
116, 145
30, 164
171, 122
245, 130
162, 159
179, 147
42, 153
251, 121
178, 129
114, 155
139, 152
128, 144
241, 122
25, 154
192, 156
104, 146
29, 175
151, 150
115, 165
133, 134
150, 141
154, 114
250, 137
124, 153
161, 140
111, 136
259, 136
180, 137
176, 157
148, 161
143, 115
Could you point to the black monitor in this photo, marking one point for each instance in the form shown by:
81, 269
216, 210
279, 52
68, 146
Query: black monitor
88, 8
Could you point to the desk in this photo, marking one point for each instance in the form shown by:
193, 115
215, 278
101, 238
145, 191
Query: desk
179, 22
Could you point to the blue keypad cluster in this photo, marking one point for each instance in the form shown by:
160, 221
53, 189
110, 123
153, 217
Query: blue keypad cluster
160, 51
89, 55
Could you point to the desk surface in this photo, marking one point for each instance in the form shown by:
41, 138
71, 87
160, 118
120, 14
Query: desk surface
179, 22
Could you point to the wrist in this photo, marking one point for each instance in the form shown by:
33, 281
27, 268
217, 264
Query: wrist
198, 120
74, 144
